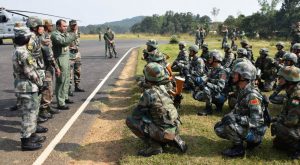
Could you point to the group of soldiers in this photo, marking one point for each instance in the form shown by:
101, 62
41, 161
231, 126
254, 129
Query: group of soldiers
213, 78
40, 53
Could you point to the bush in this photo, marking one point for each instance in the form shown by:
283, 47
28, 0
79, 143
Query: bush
174, 39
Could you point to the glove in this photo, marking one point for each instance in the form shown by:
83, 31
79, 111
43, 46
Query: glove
199, 80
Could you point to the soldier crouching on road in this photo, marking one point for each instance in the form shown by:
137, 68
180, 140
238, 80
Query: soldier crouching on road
27, 84
246, 121
155, 120
286, 128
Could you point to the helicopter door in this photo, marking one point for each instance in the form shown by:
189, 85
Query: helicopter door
3, 18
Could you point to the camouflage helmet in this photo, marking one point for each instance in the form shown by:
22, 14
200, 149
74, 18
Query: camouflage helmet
154, 72
204, 45
182, 43
226, 46
290, 73
22, 31
280, 44
245, 70
33, 22
153, 43
194, 48
72, 22
242, 52
244, 42
156, 57
216, 55
47, 22
296, 46
264, 51
290, 57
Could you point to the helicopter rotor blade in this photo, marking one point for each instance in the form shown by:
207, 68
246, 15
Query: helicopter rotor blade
39, 13
18, 13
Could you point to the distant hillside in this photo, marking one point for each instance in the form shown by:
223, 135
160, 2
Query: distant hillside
122, 26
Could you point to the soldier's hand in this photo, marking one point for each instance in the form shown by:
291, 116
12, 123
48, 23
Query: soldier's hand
57, 72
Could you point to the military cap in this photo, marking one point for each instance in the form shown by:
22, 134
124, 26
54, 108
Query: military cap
48, 22
154, 72
182, 43
216, 55
194, 48
245, 42
153, 43
290, 57
296, 46
72, 22
264, 51
22, 31
33, 22
280, 44
290, 73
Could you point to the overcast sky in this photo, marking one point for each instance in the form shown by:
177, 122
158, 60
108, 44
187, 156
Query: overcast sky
101, 11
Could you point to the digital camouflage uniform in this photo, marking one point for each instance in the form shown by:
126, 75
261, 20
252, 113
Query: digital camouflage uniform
268, 69
225, 34
61, 42
286, 129
280, 52
295, 35
296, 50
200, 35
109, 37
229, 57
181, 61
155, 119
245, 122
245, 45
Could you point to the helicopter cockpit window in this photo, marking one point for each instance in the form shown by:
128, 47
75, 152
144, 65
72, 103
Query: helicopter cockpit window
3, 18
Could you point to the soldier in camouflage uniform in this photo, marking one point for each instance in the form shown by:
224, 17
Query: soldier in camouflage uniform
296, 50
200, 35
196, 67
245, 122
75, 61
27, 84
228, 58
50, 64
109, 37
182, 59
61, 41
155, 119
211, 88
225, 33
280, 52
295, 35
268, 69
245, 44
205, 55
286, 127
233, 39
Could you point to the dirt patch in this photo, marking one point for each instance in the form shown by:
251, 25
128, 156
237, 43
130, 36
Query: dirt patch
103, 144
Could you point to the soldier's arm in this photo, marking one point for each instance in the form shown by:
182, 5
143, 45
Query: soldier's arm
255, 117
293, 116
27, 64
218, 84
63, 40
229, 61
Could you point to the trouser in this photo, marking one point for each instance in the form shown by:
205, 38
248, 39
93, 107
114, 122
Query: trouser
224, 41
75, 70
63, 81
29, 104
208, 97
47, 93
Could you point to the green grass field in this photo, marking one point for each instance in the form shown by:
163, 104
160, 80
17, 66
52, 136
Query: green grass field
204, 145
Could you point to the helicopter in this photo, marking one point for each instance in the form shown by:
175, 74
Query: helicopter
8, 19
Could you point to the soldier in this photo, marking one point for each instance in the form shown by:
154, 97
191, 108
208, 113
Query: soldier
61, 41
27, 83
200, 35
286, 126
225, 36
245, 122
295, 35
205, 55
182, 59
233, 39
280, 52
75, 61
152, 48
155, 119
228, 58
211, 88
296, 50
109, 37
268, 70
196, 67
245, 44
50, 63
100, 35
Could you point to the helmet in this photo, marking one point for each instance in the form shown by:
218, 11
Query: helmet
154, 72
47, 22
72, 22
245, 70
290, 57
264, 51
242, 51
194, 48
33, 22
182, 43
296, 46
155, 57
216, 55
290, 73
226, 46
245, 42
152, 43
22, 35
204, 45
280, 44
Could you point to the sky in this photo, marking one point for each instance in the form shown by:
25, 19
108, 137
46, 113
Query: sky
101, 11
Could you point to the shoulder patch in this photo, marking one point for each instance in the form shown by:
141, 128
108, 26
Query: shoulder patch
254, 101
295, 102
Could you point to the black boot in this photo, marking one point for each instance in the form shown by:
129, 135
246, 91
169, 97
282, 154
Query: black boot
41, 120
14, 108
180, 144
154, 149
53, 111
295, 155
35, 138
252, 145
71, 93
78, 89
207, 111
41, 129
219, 107
235, 151
68, 101
45, 114
28, 145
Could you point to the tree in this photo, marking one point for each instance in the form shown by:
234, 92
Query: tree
215, 12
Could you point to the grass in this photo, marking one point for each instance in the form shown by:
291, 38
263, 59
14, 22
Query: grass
204, 145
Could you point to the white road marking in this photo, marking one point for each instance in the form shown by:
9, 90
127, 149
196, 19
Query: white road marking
40, 160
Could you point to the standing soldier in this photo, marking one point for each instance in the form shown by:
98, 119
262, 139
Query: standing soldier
27, 83
182, 59
286, 127
109, 37
233, 39
61, 41
295, 35
100, 35
155, 120
50, 63
245, 122
280, 52
225, 36
200, 35
75, 61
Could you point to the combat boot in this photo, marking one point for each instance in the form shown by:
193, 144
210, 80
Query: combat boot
295, 155
206, 111
235, 151
78, 89
68, 101
35, 138
71, 93
45, 114
180, 144
153, 149
53, 111
41, 129
14, 108
28, 145
41, 120
219, 107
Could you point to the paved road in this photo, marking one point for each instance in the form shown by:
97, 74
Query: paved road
94, 69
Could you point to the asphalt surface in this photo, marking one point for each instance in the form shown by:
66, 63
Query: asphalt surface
94, 68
